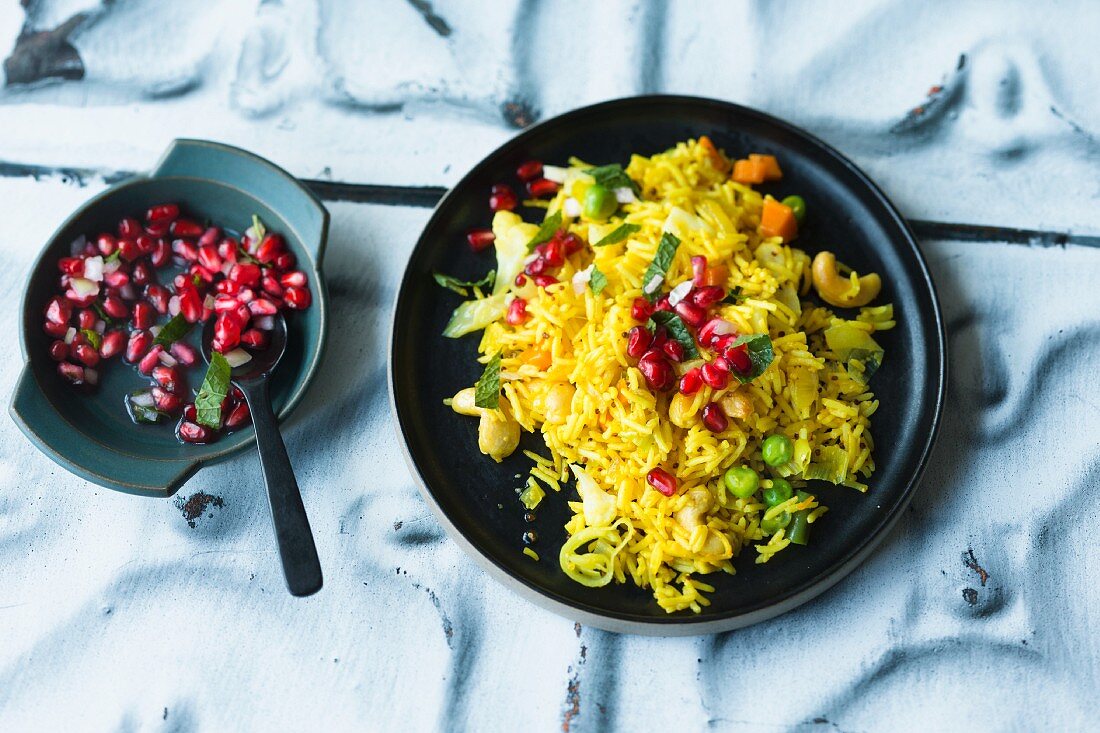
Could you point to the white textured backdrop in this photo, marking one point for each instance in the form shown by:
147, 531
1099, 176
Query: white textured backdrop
980, 612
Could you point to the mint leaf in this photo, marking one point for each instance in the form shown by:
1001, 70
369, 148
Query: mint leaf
176, 328
666, 250
597, 280
620, 233
487, 389
459, 286
547, 229
215, 386
613, 176
733, 297
258, 228
677, 330
760, 352
93, 337
113, 257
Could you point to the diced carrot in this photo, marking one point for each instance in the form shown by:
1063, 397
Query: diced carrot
777, 220
716, 275
537, 358
719, 161
772, 171
747, 172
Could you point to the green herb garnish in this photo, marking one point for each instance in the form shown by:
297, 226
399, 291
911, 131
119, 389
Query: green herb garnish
666, 250
94, 338
105, 315
760, 352
547, 229
621, 232
871, 361
113, 257
459, 286
677, 330
176, 328
215, 386
733, 297
613, 176
597, 280
258, 228
487, 389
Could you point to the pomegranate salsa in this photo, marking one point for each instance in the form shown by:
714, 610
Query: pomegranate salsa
112, 303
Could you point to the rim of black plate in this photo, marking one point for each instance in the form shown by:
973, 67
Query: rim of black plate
679, 624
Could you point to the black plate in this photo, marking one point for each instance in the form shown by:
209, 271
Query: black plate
475, 498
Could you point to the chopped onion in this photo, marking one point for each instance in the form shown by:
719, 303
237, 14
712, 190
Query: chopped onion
174, 305
111, 266
236, 357
142, 399
78, 245
625, 195
226, 267
264, 323
93, 268
70, 335
581, 278
84, 287
127, 292
100, 326
571, 207
155, 330
91, 376
208, 302
652, 286
554, 173
679, 292
530, 258
166, 359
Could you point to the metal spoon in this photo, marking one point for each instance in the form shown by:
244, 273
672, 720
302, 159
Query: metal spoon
301, 567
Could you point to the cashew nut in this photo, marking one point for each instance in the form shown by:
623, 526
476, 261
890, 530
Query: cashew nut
497, 431
843, 292
558, 402
694, 510
736, 404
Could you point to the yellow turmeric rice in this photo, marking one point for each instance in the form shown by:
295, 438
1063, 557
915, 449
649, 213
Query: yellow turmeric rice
644, 465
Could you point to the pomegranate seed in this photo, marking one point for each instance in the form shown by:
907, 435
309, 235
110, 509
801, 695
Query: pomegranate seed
141, 274
236, 394
213, 235
715, 420
185, 250
572, 243
691, 382
113, 344
285, 261
138, 345
150, 360
662, 304
227, 331
244, 273
162, 212
161, 254
189, 412
713, 329
262, 307
186, 228
70, 372
86, 354
271, 286
190, 432
191, 305
294, 279
115, 308
739, 360
166, 401
209, 258
660, 336
638, 340
146, 244
270, 248
554, 253
517, 312
536, 266
707, 296
542, 187
698, 270
57, 330
641, 310
693, 315
543, 281
502, 198
674, 350
129, 228
657, 372
59, 350
521, 280
242, 315
80, 300
106, 244
715, 376
254, 338
530, 170
158, 297
59, 311
71, 266
86, 318
120, 278
159, 229
226, 287
128, 250
184, 353
226, 303
144, 315
238, 416
204, 274
662, 481
167, 377
479, 239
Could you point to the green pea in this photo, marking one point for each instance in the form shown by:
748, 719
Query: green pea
599, 202
780, 491
742, 481
776, 523
777, 450
797, 206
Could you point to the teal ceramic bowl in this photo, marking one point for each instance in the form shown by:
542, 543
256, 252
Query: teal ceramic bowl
91, 434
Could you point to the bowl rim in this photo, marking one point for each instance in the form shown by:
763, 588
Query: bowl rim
681, 624
311, 368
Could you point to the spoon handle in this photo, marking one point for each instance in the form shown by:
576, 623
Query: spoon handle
301, 567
